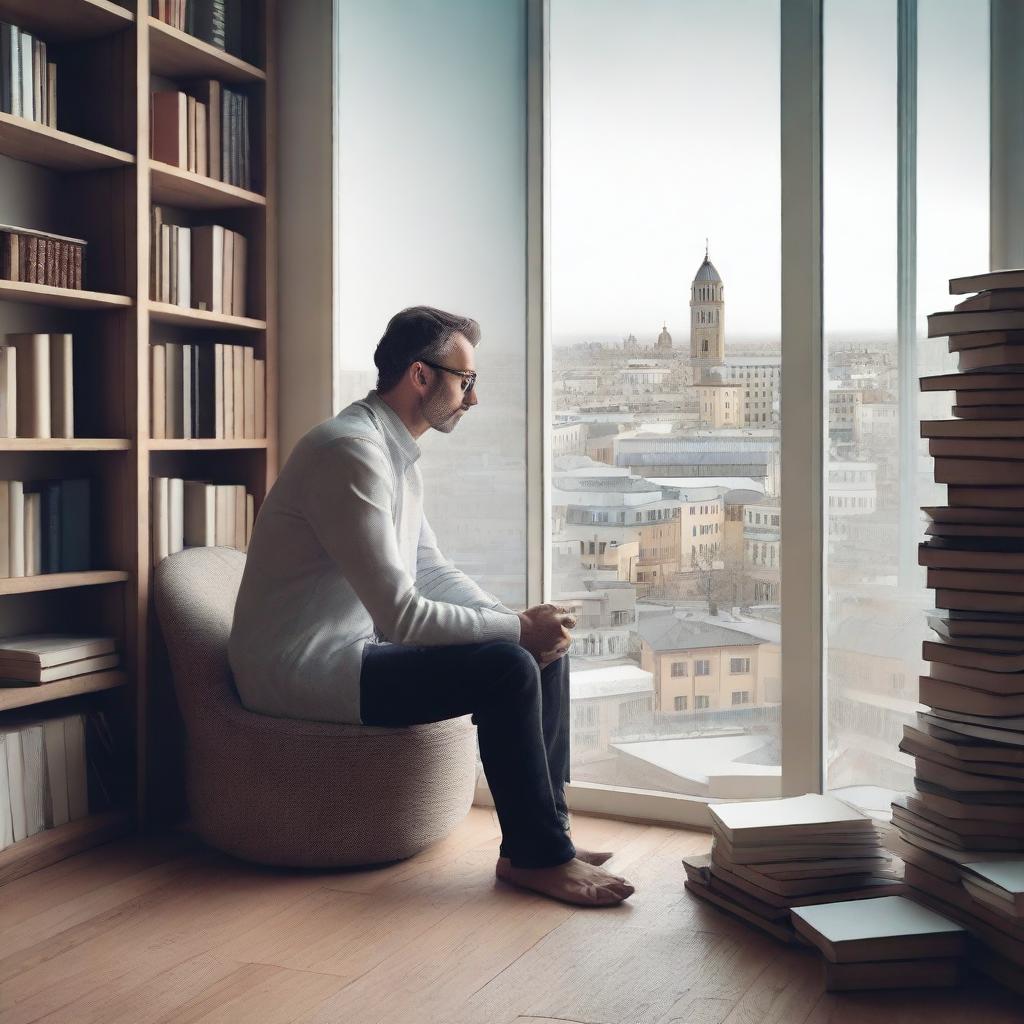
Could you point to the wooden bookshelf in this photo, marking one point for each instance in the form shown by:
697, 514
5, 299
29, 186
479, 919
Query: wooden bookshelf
92, 177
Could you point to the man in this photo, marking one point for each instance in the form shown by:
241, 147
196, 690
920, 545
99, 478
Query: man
348, 612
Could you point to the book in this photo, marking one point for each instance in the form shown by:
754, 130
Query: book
972, 381
8, 391
68, 670
44, 650
999, 883
887, 928
952, 697
33, 389
972, 658
927, 972
953, 322
62, 390
986, 282
169, 127
991, 428
778, 931
751, 822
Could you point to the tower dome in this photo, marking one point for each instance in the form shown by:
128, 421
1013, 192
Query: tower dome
707, 274
664, 339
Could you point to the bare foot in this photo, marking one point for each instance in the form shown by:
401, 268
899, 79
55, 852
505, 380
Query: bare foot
575, 882
587, 856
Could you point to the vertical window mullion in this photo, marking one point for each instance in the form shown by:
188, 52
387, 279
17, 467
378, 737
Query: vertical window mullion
803, 419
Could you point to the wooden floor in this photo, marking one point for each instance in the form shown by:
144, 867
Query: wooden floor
162, 929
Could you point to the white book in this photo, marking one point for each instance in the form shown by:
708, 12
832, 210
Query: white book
79, 667
238, 380
200, 514
228, 491
6, 824
16, 522
5, 530
161, 519
33, 533
250, 518
62, 401
44, 650
158, 391
888, 928
28, 107
185, 267
33, 393
229, 391
1002, 880
176, 519
16, 784
74, 745
186, 391
248, 392
261, 398
8, 391
56, 806
239, 541
34, 760
757, 821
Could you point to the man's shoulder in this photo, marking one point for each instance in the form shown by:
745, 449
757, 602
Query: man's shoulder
356, 422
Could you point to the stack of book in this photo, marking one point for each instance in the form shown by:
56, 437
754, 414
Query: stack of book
40, 257
968, 804
226, 24
28, 81
44, 527
56, 768
890, 942
199, 513
207, 390
768, 856
31, 659
201, 267
204, 130
37, 386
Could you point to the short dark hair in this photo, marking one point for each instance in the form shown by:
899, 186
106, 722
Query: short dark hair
418, 333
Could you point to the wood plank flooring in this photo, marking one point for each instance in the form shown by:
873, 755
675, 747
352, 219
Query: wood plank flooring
161, 929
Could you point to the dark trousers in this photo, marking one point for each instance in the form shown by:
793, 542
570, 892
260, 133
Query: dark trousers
522, 719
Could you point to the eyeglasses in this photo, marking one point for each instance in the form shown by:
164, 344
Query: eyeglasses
468, 376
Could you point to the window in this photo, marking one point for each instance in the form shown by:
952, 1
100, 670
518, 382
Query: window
680, 668
738, 666
701, 702
741, 696
680, 703
702, 668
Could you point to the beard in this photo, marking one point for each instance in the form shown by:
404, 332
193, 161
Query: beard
439, 412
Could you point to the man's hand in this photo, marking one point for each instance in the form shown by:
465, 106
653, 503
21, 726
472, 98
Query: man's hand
544, 632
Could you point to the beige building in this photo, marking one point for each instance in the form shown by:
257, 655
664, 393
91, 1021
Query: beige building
670, 547
707, 316
701, 666
719, 405
762, 550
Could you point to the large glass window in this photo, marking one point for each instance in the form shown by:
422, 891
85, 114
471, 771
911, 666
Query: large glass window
665, 386
877, 470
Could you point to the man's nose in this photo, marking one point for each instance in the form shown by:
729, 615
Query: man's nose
471, 398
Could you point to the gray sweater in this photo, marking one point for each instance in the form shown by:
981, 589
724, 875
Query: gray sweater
342, 555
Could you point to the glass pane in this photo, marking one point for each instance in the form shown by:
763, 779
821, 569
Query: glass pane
665, 385
876, 609
432, 186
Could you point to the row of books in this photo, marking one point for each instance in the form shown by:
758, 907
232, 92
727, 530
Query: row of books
207, 390
32, 659
812, 869
41, 257
28, 81
227, 24
961, 832
204, 130
199, 513
56, 768
44, 527
37, 386
200, 267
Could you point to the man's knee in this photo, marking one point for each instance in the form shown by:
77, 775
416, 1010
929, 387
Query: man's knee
513, 664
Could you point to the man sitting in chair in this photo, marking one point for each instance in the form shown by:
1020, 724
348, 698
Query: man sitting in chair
348, 612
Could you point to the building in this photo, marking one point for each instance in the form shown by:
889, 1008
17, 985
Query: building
664, 342
843, 404
707, 317
762, 550
760, 377
702, 666
569, 437
719, 405
851, 492
671, 547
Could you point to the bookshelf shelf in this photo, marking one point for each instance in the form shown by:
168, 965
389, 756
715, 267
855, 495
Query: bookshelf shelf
167, 313
204, 444
60, 581
39, 144
63, 20
65, 444
54, 844
176, 54
68, 298
176, 187
24, 696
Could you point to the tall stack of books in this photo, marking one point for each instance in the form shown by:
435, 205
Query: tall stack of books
199, 513
28, 81
204, 129
201, 267
211, 389
56, 768
37, 386
41, 257
961, 833
768, 856
45, 526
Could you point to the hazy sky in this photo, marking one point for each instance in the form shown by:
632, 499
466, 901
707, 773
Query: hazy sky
665, 130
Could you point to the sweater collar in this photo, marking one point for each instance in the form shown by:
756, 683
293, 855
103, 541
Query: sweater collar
397, 430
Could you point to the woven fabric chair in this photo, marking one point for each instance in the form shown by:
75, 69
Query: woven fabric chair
290, 792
